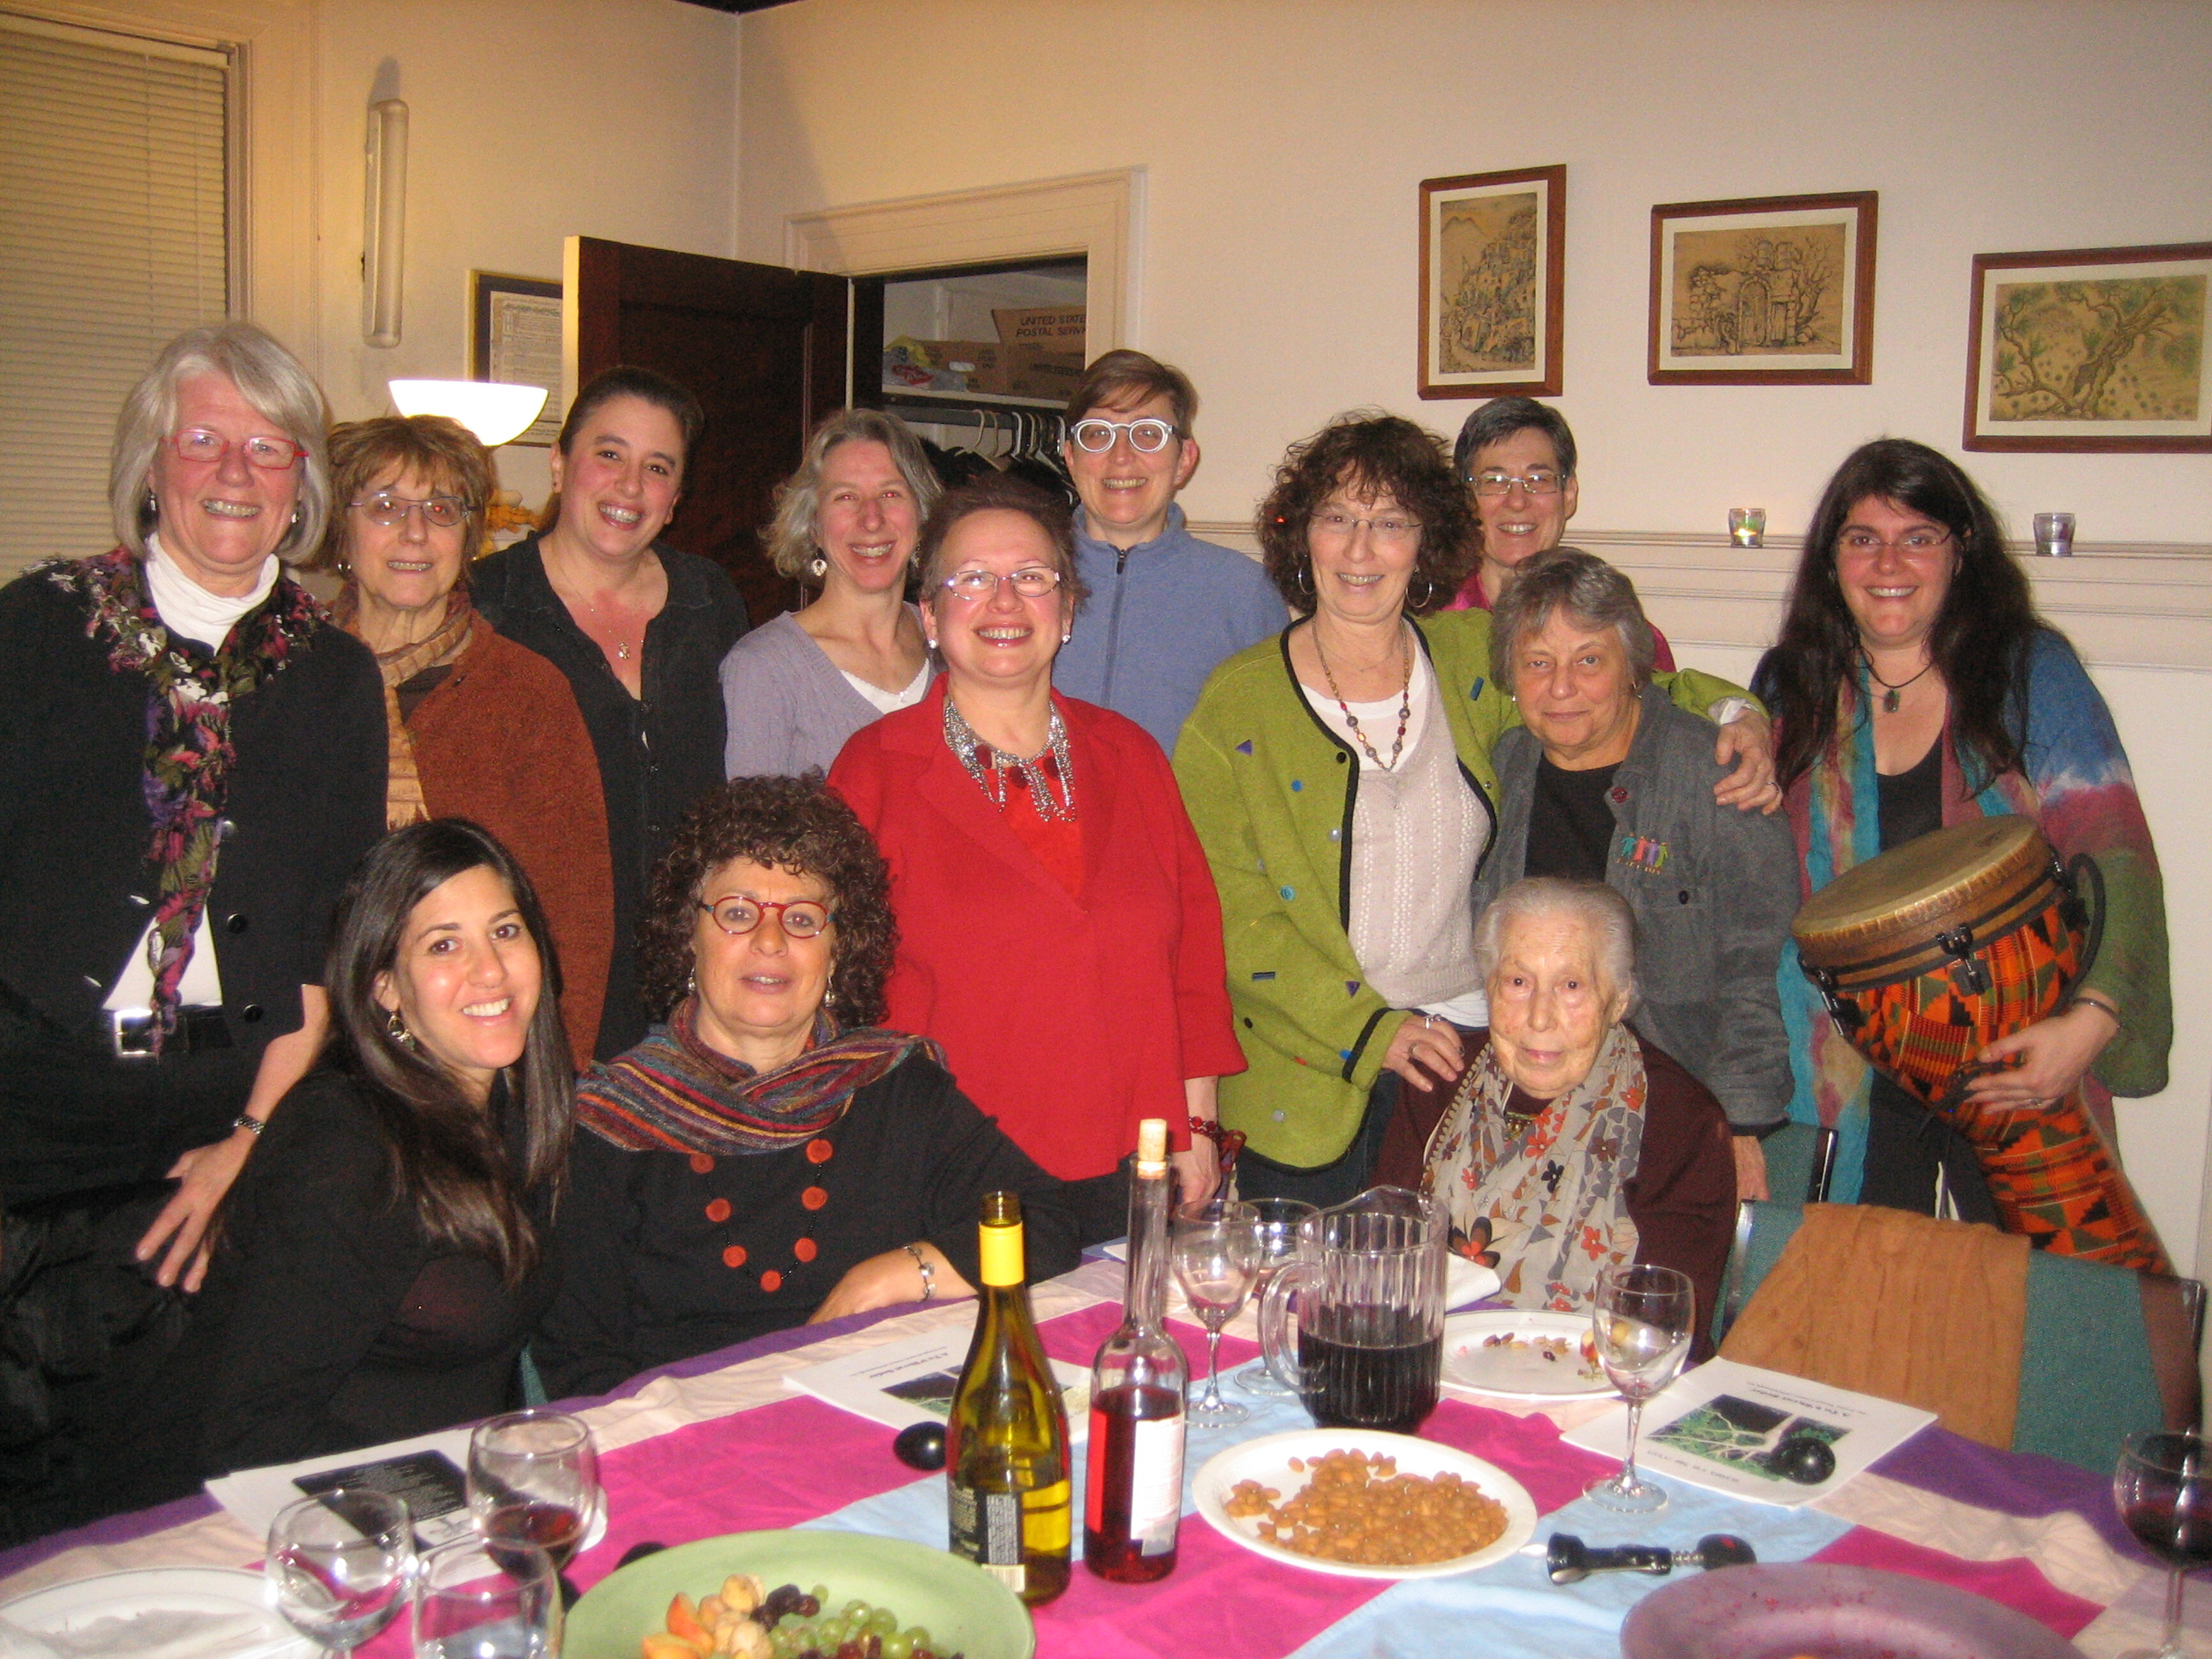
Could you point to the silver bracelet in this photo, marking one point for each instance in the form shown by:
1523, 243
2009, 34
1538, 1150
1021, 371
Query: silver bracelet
253, 1126
928, 1273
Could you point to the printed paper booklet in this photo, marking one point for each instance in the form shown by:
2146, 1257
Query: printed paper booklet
1719, 1425
903, 1383
427, 1471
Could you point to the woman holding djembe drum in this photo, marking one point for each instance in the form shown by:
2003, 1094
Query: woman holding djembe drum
1915, 688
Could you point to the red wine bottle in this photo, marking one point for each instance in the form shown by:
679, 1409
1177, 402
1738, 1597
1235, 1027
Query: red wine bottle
1132, 1504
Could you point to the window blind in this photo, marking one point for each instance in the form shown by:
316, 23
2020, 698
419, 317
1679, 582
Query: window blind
114, 220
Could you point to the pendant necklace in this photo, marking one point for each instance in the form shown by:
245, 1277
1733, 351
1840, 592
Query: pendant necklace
1405, 703
621, 645
989, 766
1890, 698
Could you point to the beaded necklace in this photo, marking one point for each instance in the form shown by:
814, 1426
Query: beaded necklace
1405, 703
989, 766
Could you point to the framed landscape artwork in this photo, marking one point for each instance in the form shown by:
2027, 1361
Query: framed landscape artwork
2094, 350
1771, 290
1493, 276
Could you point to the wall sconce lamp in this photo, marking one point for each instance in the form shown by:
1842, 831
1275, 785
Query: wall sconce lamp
384, 222
494, 410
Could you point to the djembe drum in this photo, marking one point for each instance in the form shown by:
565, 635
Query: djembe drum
1933, 951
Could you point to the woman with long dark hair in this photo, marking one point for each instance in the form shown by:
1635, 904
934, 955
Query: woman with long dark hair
1916, 687
385, 1254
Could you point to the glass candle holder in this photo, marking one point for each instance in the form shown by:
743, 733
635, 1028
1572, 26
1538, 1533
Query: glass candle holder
2054, 535
1748, 526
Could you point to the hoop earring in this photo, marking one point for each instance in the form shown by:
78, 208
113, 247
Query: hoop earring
818, 568
395, 1027
1428, 593
1305, 583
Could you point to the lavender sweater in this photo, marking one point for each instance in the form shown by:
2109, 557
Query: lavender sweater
789, 708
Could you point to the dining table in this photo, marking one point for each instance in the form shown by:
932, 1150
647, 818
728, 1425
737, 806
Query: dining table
721, 1444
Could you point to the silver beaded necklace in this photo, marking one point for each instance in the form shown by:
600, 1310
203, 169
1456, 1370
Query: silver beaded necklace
989, 766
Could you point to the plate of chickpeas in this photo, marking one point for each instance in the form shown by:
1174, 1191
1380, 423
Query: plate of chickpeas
1365, 1504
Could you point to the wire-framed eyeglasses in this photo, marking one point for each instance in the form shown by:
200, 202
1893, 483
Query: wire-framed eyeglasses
1912, 545
1147, 437
741, 913
196, 443
1031, 581
1494, 481
384, 508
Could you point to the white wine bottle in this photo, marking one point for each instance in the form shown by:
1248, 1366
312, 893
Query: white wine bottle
1132, 1498
1006, 1447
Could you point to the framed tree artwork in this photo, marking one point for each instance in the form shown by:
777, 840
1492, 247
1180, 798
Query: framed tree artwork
1493, 281
2094, 350
1769, 290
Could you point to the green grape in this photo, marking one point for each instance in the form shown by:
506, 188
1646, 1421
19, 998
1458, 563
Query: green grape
821, 1593
883, 1621
895, 1646
917, 1636
855, 1613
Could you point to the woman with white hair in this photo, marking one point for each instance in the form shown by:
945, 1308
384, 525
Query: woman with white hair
192, 759
847, 523
1572, 1144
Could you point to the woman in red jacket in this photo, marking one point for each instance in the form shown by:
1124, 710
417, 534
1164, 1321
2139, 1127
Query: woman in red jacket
1058, 932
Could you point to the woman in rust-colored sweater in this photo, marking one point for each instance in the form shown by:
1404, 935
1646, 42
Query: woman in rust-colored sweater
479, 727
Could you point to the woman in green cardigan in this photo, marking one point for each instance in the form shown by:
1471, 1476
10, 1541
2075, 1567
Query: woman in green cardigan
1339, 778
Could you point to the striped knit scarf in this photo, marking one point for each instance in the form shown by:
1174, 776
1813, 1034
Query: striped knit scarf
403, 789
189, 753
673, 1093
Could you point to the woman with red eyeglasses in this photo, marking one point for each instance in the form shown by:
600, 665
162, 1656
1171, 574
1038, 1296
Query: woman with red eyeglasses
192, 759
1058, 931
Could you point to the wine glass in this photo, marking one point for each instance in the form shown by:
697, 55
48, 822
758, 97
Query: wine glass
338, 1564
1216, 1254
2163, 1491
478, 1601
1276, 1225
1642, 1318
534, 1483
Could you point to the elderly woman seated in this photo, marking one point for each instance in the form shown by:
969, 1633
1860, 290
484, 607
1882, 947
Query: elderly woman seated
770, 1156
1611, 782
1572, 1143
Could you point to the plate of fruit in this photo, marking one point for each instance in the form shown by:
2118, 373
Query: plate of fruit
808, 1593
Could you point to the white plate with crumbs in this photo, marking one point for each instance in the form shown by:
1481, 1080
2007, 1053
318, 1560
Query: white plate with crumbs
1268, 1461
164, 1612
1521, 1353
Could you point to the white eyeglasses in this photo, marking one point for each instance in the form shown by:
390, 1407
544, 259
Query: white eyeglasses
1147, 437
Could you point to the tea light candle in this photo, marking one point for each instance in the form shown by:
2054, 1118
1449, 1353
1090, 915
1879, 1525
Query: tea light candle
1748, 526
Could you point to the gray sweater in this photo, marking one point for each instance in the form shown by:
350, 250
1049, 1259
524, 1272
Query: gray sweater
788, 707
1711, 920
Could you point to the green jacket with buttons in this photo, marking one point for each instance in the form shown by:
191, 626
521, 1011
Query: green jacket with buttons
1271, 792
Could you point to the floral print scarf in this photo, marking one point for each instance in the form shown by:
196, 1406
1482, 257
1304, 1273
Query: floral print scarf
1541, 1198
189, 753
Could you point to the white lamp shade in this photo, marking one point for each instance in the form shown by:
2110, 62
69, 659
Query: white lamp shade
494, 410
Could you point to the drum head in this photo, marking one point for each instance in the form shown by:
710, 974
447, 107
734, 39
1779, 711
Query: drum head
1921, 883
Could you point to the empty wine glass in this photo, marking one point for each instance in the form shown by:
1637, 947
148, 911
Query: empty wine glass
1642, 1319
1216, 1255
476, 1602
2163, 1491
534, 1483
338, 1564
1276, 1225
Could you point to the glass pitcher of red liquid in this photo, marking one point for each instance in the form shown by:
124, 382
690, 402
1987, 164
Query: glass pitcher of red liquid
1364, 1347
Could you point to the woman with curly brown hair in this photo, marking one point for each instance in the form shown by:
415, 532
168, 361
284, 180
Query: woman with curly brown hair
770, 1156
1341, 779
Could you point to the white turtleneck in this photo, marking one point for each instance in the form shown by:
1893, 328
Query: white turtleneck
190, 612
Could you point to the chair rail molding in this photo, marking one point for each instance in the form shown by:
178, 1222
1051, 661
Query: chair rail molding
1092, 214
2124, 605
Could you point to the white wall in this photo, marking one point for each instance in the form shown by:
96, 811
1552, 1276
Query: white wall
1283, 141
529, 121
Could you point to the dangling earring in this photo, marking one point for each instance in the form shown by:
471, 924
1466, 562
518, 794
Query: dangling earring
691, 983
395, 1027
819, 568
1305, 580
1428, 592
152, 508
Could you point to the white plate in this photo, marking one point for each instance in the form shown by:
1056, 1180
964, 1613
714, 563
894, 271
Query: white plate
1268, 1460
209, 1592
1519, 1373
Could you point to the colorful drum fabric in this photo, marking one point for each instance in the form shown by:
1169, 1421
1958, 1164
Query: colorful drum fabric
1930, 952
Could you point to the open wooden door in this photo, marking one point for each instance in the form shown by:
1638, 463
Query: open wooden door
762, 348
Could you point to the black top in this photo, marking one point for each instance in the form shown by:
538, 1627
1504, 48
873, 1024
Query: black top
1571, 823
665, 1255
329, 1321
305, 801
657, 752
1912, 800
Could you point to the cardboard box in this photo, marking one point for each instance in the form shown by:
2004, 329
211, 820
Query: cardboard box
999, 370
1049, 328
